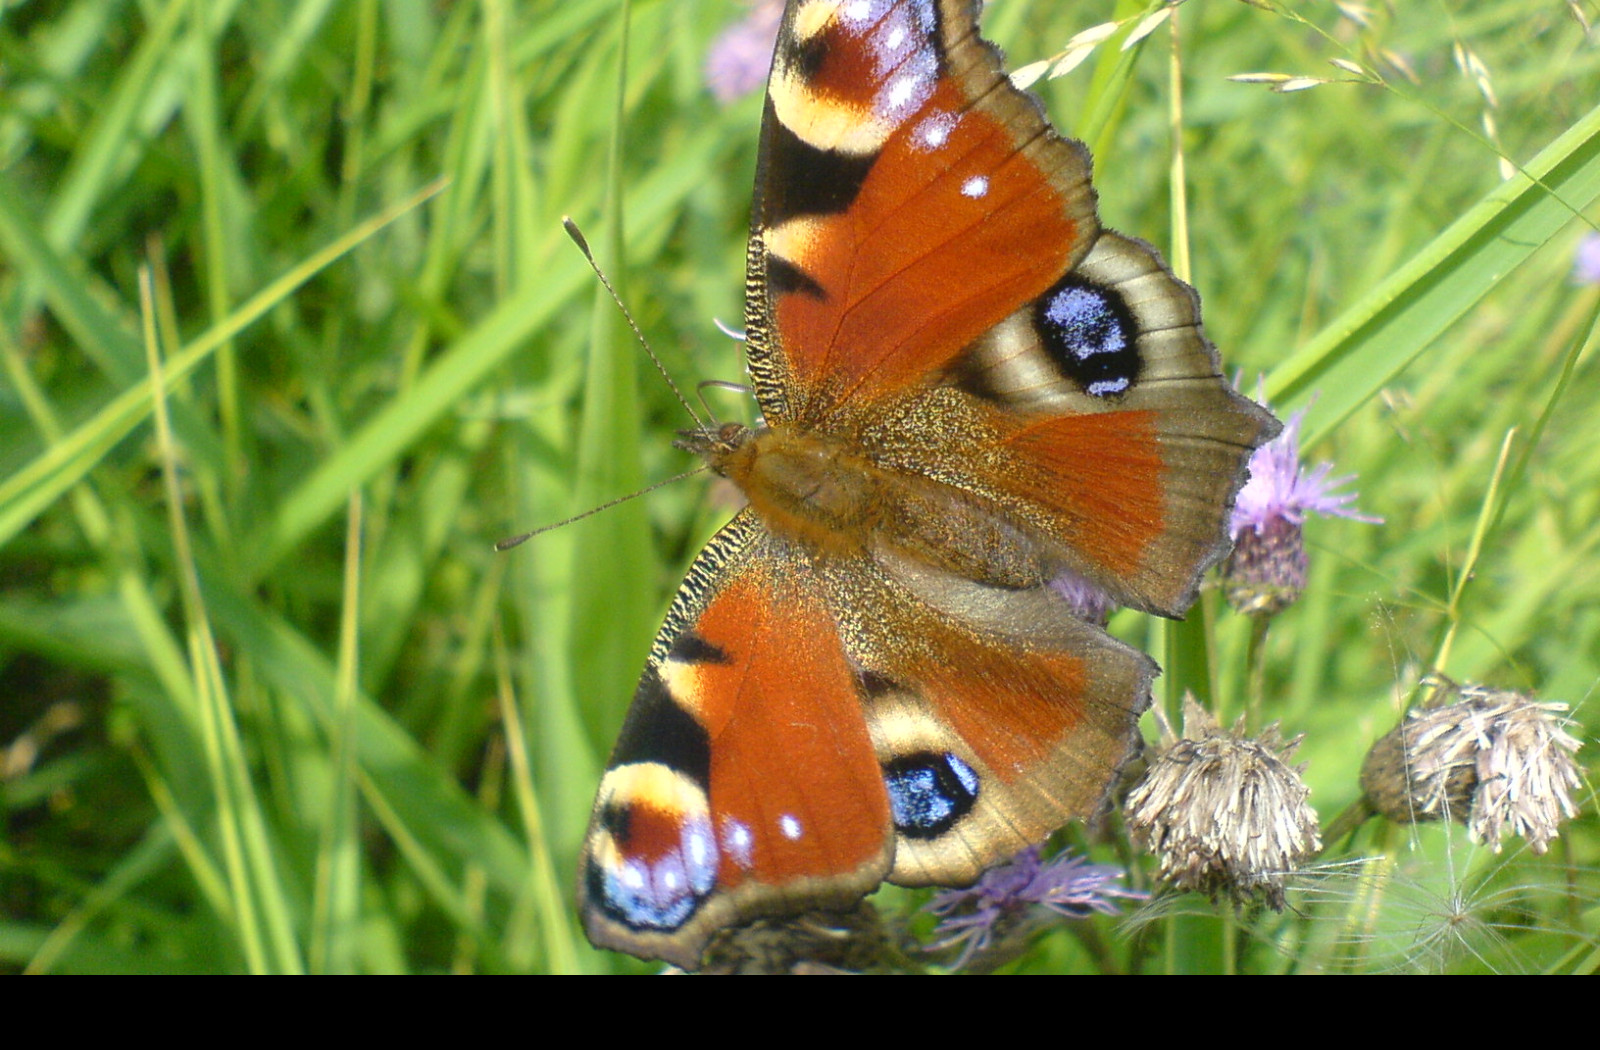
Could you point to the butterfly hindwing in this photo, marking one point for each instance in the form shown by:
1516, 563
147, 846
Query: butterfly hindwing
996, 714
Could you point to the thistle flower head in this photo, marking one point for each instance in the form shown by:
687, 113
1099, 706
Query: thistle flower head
1495, 760
812, 942
1225, 814
741, 56
995, 912
1266, 572
1087, 601
1586, 260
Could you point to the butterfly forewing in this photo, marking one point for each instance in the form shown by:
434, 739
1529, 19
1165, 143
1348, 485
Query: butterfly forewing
743, 782
907, 200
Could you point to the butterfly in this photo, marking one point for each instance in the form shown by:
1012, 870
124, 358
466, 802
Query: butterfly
969, 390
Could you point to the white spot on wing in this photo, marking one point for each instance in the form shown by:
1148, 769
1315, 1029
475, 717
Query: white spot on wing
737, 841
699, 849
789, 826
975, 187
910, 89
901, 91
934, 130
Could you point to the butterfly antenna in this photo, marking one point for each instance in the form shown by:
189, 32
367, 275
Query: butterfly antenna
517, 541
583, 246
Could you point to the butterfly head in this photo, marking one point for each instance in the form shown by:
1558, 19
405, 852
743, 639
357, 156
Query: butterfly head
714, 444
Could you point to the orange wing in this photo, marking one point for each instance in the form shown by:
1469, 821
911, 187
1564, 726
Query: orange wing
928, 280
907, 200
805, 729
744, 778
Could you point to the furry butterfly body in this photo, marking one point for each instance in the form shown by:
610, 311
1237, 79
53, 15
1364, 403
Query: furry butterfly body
969, 391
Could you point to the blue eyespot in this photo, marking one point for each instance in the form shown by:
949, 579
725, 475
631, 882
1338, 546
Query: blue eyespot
1091, 336
929, 792
660, 892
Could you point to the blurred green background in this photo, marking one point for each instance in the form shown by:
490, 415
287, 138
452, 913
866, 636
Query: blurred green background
271, 702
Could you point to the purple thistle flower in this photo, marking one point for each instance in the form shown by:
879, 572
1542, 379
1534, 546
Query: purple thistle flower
1267, 571
1279, 488
1586, 260
1088, 602
741, 56
995, 907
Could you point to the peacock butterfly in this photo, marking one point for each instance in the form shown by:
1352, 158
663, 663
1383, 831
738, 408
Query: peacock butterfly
969, 390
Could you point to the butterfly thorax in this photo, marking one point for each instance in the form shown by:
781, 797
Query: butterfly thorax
828, 496
806, 488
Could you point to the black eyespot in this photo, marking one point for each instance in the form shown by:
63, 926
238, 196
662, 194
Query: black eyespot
654, 889
1090, 334
929, 792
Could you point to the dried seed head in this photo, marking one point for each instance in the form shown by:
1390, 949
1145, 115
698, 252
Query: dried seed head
1225, 813
1494, 760
813, 942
